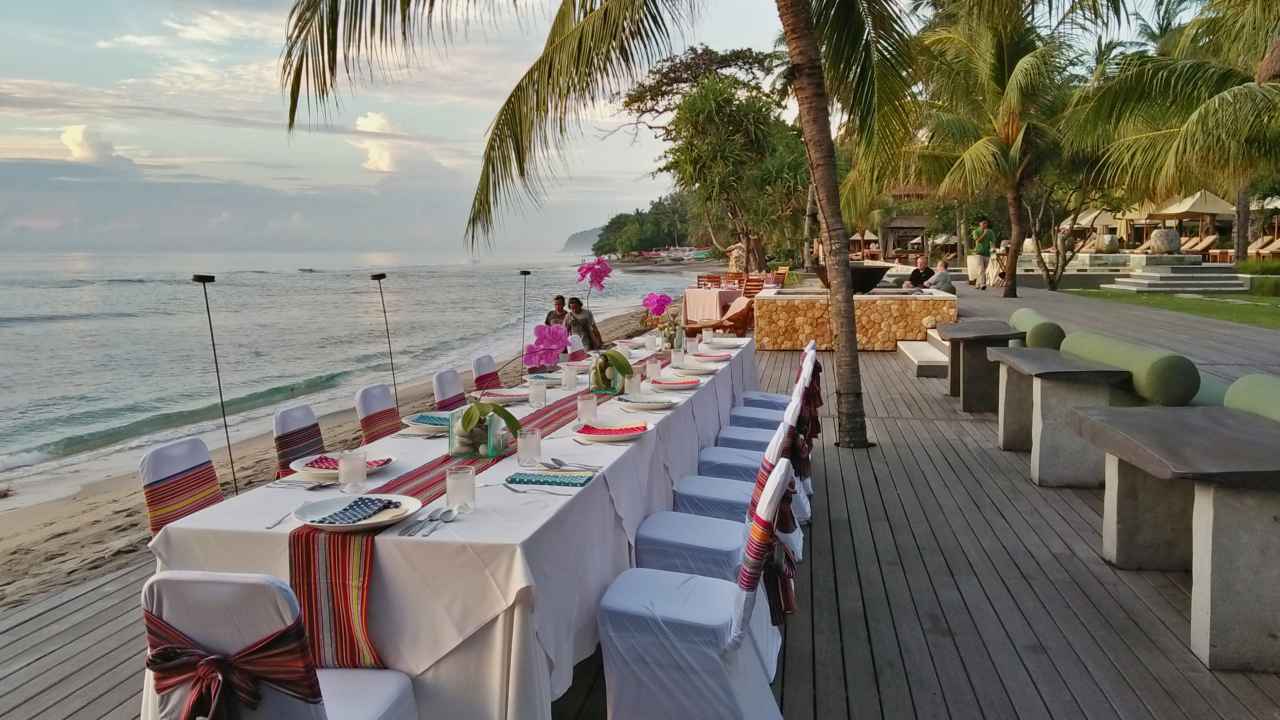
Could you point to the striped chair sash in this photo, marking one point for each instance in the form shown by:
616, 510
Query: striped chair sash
330, 573
280, 660
451, 403
488, 381
380, 424
578, 355
180, 494
297, 444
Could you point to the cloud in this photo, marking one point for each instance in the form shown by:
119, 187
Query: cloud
220, 27
134, 41
378, 157
86, 145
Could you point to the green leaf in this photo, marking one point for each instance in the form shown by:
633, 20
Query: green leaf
513, 424
618, 362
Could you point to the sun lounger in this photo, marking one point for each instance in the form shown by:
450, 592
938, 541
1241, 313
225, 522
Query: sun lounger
1203, 246
1189, 242
737, 319
1271, 250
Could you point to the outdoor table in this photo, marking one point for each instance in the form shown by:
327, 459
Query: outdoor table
972, 376
708, 304
489, 614
1039, 387
1198, 488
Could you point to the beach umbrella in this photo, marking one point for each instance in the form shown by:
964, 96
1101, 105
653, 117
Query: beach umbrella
379, 277
204, 281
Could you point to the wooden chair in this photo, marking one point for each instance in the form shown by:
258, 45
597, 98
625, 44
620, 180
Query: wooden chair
753, 285
708, 281
737, 319
1188, 243
780, 275
732, 279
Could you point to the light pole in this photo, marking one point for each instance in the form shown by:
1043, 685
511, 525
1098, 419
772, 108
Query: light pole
204, 281
524, 307
379, 277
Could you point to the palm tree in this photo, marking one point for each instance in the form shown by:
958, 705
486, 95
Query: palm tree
593, 48
1160, 30
1209, 114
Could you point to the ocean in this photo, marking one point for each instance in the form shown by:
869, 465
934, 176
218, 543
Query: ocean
104, 356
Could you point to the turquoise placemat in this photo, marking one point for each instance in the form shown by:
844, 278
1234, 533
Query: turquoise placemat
439, 419
576, 480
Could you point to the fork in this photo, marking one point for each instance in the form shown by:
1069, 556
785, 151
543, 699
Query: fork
282, 518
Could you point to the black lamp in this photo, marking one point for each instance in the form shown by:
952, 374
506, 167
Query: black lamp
204, 281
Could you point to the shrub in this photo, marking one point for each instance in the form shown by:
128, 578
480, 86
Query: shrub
1259, 267
1266, 285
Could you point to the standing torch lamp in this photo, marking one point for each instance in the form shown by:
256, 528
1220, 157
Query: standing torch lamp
204, 281
524, 307
379, 277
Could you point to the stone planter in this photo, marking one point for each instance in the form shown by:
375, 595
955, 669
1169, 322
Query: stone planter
1165, 241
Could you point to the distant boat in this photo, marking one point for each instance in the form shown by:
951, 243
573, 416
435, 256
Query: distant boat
307, 270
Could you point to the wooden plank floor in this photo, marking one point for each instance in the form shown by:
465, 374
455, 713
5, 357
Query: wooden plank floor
938, 581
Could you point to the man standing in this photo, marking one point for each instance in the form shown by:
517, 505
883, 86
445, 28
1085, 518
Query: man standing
582, 323
983, 240
557, 314
920, 274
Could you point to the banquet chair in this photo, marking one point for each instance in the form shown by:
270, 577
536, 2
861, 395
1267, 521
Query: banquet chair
752, 286
447, 385
485, 373
752, 438
780, 275
177, 479
708, 281
687, 646
779, 401
376, 408
190, 616
732, 280
297, 435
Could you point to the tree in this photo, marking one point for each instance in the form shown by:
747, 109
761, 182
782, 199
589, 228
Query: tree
593, 48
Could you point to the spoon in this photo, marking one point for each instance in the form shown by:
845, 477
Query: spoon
557, 462
413, 527
447, 515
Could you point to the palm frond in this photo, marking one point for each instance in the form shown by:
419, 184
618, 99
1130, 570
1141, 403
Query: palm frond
866, 59
982, 166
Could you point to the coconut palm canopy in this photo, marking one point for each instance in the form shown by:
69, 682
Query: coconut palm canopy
1197, 205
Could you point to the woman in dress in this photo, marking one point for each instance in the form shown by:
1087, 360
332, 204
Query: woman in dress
582, 323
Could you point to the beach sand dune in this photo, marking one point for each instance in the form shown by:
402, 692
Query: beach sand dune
103, 527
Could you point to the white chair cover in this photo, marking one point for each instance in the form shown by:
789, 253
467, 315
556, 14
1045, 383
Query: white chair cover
373, 398
226, 612
446, 384
172, 458
729, 463
755, 417
483, 365
743, 438
293, 418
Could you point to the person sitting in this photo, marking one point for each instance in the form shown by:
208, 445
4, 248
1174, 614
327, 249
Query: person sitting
941, 279
582, 323
920, 274
557, 314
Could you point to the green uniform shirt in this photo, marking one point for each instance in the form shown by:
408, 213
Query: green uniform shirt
982, 242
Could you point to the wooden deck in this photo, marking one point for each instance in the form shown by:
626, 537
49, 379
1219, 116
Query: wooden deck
938, 581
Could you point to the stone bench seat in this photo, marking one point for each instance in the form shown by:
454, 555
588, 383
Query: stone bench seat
973, 377
1198, 488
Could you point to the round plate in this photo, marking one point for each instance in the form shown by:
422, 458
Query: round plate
712, 357
643, 403
727, 342
320, 508
675, 385
695, 368
580, 365
610, 437
425, 430
300, 466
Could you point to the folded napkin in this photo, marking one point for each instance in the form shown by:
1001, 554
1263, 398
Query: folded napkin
561, 479
714, 357
324, 462
608, 431
358, 510
440, 419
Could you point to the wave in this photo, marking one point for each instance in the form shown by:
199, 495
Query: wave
181, 418
12, 320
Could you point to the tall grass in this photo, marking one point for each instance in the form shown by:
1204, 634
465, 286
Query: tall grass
1259, 267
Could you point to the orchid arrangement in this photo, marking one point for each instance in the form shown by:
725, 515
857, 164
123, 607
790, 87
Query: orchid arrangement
656, 303
594, 273
548, 342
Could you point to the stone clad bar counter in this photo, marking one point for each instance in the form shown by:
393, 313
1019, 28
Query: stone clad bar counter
788, 319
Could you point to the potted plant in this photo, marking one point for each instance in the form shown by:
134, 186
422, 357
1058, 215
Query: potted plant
477, 430
609, 372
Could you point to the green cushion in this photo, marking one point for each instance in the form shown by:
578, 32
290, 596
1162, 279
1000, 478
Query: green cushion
1212, 391
1159, 376
1258, 394
1041, 332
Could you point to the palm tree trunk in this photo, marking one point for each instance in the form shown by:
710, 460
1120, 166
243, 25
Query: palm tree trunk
1016, 236
1241, 230
810, 222
810, 92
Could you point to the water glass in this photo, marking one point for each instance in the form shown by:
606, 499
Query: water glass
352, 471
633, 383
529, 448
651, 342
537, 394
460, 487
652, 370
677, 358
586, 408
569, 378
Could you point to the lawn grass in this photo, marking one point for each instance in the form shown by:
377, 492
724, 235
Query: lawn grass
1266, 313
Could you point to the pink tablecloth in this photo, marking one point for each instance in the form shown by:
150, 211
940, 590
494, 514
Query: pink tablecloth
707, 304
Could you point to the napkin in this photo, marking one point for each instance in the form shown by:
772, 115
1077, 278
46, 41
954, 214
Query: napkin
439, 419
562, 479
358, 510
324, 462
625, 430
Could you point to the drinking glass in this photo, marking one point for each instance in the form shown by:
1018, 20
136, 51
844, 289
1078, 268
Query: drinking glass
652, 370
460, 487
352, 471
586, 408
651, 342
677, 358
529, 448
537, 394
569, 378
633, 383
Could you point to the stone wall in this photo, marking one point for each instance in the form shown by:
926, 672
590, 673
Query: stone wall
883, 320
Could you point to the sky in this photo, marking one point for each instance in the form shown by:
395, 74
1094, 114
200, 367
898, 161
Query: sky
159, 125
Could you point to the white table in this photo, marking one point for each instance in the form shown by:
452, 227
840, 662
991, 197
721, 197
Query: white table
490, 614
708, 304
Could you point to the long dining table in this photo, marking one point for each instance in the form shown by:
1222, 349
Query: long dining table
490, 613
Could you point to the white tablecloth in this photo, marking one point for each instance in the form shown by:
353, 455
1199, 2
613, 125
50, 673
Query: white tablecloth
707, 304
490, 613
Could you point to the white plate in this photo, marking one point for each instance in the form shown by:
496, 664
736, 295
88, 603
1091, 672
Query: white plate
580, 365
320, 508
425, 430
727, 342
610, 438
675, 388
501, 397
644, 403
300, 466
695, 368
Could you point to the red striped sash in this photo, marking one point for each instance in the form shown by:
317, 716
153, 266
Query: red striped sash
177, 496
488, 381
279, 660
578, 355
378, 425
330, 573
451, 403
297, 444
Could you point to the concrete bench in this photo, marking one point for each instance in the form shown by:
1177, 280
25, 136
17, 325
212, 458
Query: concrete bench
972, 376
1198, 488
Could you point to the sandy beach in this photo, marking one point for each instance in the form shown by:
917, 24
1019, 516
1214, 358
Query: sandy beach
102, 527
